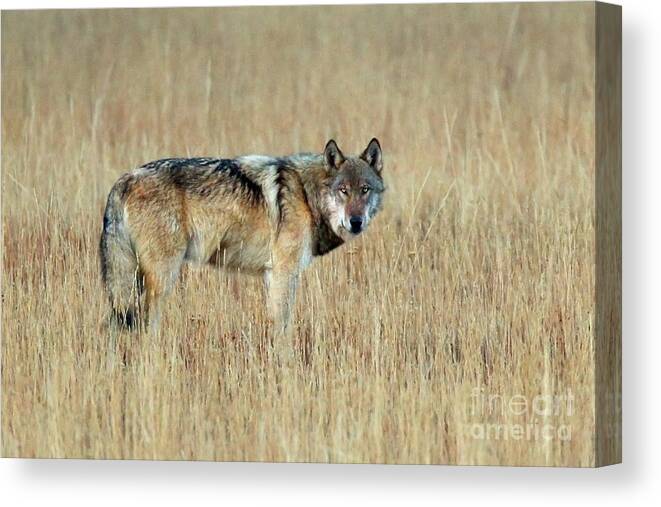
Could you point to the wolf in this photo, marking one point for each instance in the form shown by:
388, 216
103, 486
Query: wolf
263, 215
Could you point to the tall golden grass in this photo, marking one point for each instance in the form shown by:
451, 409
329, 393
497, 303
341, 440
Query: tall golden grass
478, 274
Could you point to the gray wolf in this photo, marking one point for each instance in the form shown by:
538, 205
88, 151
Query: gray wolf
268, 216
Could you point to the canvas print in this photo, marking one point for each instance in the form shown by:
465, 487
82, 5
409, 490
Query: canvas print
342, 234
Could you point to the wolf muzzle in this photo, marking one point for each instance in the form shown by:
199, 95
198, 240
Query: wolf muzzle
356, 224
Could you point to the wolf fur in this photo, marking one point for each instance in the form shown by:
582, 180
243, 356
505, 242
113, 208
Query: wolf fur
268, 216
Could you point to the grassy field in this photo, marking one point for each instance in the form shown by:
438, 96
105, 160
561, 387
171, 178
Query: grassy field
476, 278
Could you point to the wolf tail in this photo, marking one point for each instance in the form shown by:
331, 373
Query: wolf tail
119, 264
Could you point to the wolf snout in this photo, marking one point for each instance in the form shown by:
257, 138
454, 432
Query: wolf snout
356, 224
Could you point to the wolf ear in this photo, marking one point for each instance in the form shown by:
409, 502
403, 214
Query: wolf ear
332, 155
372, 155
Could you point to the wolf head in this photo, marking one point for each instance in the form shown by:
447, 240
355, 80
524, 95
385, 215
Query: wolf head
355, 188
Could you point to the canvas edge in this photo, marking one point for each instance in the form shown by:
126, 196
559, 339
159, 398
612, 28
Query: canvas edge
608, 232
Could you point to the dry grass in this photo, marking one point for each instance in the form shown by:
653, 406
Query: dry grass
479, 272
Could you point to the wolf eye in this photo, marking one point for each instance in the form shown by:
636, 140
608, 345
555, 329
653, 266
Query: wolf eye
343, 190
365, 189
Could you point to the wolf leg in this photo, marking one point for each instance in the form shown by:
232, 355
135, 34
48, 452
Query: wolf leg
281, 287
159, 282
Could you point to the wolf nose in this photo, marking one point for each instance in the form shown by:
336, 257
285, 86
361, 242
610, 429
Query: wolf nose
356, 224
